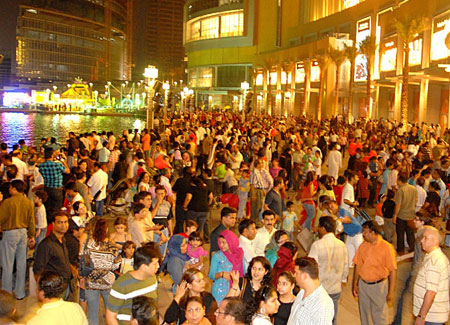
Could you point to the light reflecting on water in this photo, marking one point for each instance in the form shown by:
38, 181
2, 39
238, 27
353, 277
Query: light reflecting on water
33, 127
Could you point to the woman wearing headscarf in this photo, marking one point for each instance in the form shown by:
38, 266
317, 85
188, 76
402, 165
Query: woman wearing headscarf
176, 258
285, 262
271, 250
228, 259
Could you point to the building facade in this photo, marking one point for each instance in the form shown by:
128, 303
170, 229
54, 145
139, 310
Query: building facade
158, 38
287, 40
62, 40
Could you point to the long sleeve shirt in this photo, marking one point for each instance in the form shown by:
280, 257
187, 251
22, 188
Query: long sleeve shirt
17, 212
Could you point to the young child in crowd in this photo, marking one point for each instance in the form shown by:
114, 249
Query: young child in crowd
120, 236
363, 189
128, 250
242, 192
231, 183
191, 226
40, 215
289, 219
195, 251
339, 188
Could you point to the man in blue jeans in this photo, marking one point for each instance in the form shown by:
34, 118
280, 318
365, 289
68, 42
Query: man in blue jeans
18, 223
162, 215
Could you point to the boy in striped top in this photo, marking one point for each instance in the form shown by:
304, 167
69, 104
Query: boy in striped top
140, 282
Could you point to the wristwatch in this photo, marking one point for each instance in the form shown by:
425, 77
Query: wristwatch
420, 316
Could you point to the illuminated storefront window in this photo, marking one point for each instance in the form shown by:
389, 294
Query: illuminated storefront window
285, 76
193, 78
415, 52
299, 73
315, 72
362, 31
205, 76
209, 28
227, 24
389, 54
259, 79
232, 25
441, 34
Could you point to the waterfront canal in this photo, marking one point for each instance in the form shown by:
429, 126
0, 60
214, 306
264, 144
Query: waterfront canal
32, 127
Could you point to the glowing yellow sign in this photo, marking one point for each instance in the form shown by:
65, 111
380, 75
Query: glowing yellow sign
415, 52
441, 31
389, 55
350, 3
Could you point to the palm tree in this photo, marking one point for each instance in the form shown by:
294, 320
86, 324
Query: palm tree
407, 27
368, 46
337, 57
324, 61
351, 52
268, 64
307, 68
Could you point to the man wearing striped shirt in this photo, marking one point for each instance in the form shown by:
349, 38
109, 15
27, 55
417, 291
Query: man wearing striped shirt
260, 183
140, 282
431, 292
312, 305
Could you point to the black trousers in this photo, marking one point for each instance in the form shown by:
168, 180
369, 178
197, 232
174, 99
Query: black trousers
401, 228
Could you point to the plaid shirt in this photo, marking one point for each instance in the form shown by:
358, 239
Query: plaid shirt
113, 159
52, 172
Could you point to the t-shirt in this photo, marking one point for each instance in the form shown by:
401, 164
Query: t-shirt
289, 220
41, 217
124, 289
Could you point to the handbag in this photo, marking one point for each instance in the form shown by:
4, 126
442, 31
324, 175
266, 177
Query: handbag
86, 266
305, 238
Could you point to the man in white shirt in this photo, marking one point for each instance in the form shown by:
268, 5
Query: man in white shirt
348, 193
421, 193
332, 256
247, 232
22, 168
265, 233
334, 162
235, 158
54, 310
97, 187
312, 305
431, 288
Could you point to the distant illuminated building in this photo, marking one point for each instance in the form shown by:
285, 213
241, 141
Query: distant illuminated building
60, 40
276, 46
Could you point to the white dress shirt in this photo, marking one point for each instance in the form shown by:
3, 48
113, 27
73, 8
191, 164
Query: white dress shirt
261, 240
249, 251
332, 256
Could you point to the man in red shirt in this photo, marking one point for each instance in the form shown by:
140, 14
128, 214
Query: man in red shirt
353, 146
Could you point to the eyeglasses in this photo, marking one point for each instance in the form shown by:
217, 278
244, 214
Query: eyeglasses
219, 312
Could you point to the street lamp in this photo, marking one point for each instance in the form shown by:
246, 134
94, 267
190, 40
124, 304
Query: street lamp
244, 86
166, 87
150, 73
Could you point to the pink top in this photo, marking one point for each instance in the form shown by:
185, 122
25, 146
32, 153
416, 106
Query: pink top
196, 252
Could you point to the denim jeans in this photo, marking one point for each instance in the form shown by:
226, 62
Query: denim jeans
157, 239
14, 248
310, 213
99, 207
335, 297
93, 300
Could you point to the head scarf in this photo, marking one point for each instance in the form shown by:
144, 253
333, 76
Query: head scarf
272, 245
285, 262
174, 248
234, 254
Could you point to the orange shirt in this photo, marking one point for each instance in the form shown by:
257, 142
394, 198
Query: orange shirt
375, 261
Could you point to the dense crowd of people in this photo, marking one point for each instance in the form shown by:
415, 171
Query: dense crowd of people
103, 217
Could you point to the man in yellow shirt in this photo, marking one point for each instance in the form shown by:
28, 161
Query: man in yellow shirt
54, 310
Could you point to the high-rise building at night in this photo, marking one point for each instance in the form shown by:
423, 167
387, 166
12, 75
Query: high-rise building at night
60, 40
158, 38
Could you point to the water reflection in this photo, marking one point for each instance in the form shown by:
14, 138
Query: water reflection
33, 127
